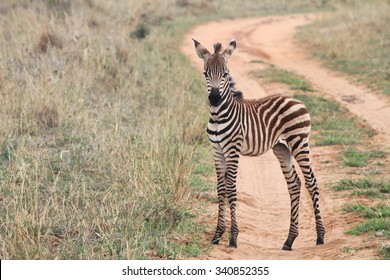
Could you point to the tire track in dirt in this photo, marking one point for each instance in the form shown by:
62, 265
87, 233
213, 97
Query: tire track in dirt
263, 202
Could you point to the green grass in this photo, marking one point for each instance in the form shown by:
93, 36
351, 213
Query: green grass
274, 75
354, 158
379, 188
371, 225
368, 212
376, 222
385, 252
203, 169
333, 125
354, 39
345, 250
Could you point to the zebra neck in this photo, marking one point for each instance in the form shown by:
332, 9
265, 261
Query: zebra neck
224, 110
230, 98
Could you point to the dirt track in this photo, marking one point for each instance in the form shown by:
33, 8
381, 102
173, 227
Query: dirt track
263, 201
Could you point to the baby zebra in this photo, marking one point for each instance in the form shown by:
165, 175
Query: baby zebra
252, 127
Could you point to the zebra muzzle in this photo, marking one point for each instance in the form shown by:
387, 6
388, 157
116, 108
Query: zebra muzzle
214, 97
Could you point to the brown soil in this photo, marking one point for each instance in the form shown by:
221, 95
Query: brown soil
263, 201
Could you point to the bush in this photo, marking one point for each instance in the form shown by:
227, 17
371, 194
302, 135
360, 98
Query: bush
140, 32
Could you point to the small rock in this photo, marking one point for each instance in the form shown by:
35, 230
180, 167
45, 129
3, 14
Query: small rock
380, 233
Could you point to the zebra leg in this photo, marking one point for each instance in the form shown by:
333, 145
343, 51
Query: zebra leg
220, 167
302, 157
294, 189
231, 194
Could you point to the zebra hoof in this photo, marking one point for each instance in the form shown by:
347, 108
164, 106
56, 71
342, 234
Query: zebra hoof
286, 248
320, 241
215, 241
232, 244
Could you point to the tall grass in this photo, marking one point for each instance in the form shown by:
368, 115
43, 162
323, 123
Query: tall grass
101, 127
95, 162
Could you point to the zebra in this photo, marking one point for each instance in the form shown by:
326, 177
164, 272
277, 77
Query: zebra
239, 126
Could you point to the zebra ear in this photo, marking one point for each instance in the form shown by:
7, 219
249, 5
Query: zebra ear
227, 53
202, 52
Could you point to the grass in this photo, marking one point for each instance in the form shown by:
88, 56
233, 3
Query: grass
376, 216
354, 158
275, 75
381, 225
369, 212
333, 125
354, 39
365, 186
385, 252
102, 148
94, 162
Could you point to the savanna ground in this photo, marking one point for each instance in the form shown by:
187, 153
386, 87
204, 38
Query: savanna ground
103, 153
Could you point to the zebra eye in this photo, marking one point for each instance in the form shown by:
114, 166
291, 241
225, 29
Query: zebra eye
225, 75
205, 74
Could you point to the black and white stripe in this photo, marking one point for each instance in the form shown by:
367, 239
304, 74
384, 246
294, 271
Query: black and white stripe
252, 127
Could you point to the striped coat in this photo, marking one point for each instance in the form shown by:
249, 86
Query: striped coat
251, 127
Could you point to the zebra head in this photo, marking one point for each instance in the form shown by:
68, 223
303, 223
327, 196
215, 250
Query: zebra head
216, 71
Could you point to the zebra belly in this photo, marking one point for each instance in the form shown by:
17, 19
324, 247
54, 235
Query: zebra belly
255, 142
250, 149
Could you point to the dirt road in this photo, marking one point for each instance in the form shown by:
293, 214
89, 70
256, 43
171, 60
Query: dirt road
263, 201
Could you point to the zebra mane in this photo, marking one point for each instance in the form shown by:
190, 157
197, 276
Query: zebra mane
237, 94
217, 48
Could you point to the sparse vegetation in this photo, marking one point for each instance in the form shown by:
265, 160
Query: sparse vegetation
385, 252
355, 158
275, 75
376, 217
333, 125
345, 250
368, 212
365, 186
381, 225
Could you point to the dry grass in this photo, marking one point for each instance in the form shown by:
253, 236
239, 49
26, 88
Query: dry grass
93, 162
